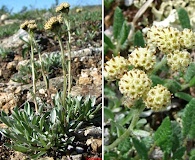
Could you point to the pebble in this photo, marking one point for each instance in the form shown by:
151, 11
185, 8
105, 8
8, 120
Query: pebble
79, 149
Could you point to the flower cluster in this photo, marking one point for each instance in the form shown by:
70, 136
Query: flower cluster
115, 68
29, 25
158, 98
63, 8
142, 58
179, 60
53, 23
173, 43
135, 84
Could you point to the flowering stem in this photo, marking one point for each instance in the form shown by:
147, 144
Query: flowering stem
33, 72
128, 132
64, 71
69, 56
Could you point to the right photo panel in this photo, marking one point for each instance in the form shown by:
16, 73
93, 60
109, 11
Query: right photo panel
149, 80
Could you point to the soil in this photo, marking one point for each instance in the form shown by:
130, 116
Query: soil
87, 60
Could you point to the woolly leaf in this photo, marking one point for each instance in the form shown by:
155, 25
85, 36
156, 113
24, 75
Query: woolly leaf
173, 85
124, 33
108, 114
139, 39
190, 73
140, 148
188, 120
125, 145
108, 42
119, 129
118, 22
178, 154
20, 148
184, 96
184, 18
192, 82
156, 80
163, 135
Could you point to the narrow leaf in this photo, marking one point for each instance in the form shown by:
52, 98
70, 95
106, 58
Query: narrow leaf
188, 120
178, 154
190, 73
108, 114
108, 42
184, 18
118, 22
124, 33
125, 145
139, 39
184, 96
20, 148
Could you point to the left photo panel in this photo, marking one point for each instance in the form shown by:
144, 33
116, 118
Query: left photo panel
51, 80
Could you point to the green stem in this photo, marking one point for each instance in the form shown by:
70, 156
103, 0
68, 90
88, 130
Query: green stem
33, 72
127, 133
159, 65
69, 56
64, 71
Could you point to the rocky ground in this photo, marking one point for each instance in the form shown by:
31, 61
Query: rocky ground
87, 80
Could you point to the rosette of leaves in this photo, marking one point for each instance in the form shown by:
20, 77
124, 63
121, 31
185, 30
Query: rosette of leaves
36, 134
49, 131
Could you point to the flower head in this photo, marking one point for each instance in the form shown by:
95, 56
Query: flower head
115, 68
142, 58
178, 60
187, 39
166, 39
53, 23
158, 98
29, 25
135, 84
63, 7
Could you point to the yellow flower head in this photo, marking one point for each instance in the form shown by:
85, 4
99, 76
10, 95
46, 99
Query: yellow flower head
29, 25
63, 7
158, 98
115, 68
179, 60
135, 84
53, 23
142, 58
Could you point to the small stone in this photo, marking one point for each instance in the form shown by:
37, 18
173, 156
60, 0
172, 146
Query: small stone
11, 65
84, 80
42, 91
79, 149
76, 157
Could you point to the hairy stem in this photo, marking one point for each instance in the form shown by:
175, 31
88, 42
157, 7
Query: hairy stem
69, 56
64, 71
33, 72
128, 132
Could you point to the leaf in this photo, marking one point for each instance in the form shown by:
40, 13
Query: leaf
163, 135
108, 114
120, 129
140, 148
38, 154
190, 73
188, 120
125, 145
20, 148
138, 39
141, 133
178, 154
192, 82
124, 33
5, 119
184, 18
184, 96
108, 42
156, 80
118, 22
173, 85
